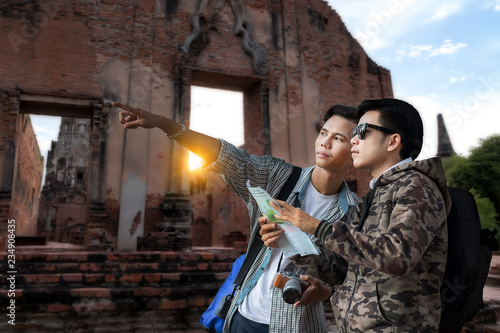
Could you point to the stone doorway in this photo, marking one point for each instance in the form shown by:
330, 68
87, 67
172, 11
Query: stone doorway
216, 208
74, 167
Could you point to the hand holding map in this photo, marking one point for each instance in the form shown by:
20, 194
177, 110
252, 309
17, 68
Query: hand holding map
294, 241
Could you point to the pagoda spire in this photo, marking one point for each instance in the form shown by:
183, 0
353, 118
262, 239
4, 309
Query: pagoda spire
444, 148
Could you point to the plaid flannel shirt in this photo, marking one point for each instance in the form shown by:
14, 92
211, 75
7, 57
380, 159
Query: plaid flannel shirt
236, 167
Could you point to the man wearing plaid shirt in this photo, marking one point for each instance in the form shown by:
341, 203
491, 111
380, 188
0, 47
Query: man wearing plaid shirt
320, 191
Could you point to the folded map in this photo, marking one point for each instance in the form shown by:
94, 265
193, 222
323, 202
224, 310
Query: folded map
294, 241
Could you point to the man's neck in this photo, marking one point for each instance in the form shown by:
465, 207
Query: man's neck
327, 182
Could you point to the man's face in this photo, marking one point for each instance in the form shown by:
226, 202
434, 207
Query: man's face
369, 153
333, 146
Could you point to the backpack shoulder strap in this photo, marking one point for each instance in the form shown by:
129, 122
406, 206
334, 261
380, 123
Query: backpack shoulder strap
464, 229
290, 183
285, 192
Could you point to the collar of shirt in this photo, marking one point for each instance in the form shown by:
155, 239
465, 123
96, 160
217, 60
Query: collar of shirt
406, 160
343, 199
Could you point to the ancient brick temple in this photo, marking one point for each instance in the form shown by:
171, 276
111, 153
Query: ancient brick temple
62, 212
290, 59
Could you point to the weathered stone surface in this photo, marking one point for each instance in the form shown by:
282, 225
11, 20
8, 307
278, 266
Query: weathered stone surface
71, 59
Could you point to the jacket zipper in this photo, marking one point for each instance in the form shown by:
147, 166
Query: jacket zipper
350, 299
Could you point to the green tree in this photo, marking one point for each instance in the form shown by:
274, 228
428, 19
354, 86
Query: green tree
484, 169
455, 170
480, 171
487, 213
480, 174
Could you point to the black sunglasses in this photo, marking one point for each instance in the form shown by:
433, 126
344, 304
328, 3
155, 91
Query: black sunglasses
360, 130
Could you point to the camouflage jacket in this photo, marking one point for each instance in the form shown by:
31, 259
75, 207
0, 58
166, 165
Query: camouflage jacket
397, 260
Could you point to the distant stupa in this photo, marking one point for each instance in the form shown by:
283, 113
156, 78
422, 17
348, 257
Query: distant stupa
445, 148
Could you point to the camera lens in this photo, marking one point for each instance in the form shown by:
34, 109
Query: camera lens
292, 291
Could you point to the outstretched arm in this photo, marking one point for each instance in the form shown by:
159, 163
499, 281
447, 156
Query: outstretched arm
200, 144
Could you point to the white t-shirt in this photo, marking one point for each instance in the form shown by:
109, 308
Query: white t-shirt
256, 306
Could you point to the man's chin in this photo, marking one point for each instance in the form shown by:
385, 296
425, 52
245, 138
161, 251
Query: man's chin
321, 161
357, 164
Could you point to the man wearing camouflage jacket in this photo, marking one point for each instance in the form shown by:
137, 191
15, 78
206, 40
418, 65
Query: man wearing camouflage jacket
397, 254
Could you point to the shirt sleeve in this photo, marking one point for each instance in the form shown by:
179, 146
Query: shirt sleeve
324, 228
328, 266
237, 166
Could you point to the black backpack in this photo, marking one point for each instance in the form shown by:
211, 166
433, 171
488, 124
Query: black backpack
468, 262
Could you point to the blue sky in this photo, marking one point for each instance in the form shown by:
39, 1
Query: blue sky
444, 57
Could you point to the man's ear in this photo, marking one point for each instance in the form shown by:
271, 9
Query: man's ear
395, 142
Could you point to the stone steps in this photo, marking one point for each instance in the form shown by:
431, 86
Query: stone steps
80, 285
81, 269
494, 272
493, 280
486, 321
121, 280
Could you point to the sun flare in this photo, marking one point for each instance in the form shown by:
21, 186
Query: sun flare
194, 162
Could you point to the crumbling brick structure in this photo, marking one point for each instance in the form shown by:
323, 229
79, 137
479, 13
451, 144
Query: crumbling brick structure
21, 170
63, 203
291, 60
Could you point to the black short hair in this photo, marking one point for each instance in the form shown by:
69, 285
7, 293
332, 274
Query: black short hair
401, 117
343, 111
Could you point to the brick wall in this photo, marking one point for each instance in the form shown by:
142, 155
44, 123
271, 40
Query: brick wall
120, 292
129, 51
21, 177
8, 121
27, 179
46, 48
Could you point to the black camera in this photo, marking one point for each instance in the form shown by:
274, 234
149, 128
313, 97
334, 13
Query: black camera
292, 286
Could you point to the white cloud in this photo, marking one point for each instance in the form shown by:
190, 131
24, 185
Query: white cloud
456, 79
491, 4
444, 10
46, 129
377, 24
414, 51
372, 43
418, 51
467, 120
428, 107
447, 48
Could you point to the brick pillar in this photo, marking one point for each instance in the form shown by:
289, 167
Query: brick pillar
9, 107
